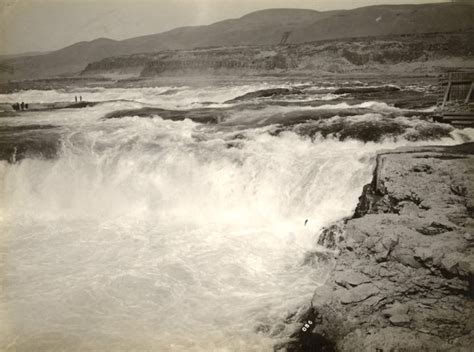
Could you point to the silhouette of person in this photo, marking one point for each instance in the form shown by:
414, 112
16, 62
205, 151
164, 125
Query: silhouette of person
75, 98
26, 106
22, 106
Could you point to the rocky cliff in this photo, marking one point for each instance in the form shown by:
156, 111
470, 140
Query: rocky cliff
418, 53
402, 268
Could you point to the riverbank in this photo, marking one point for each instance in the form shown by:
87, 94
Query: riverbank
401, 269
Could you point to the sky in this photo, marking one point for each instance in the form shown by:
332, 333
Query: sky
44, 25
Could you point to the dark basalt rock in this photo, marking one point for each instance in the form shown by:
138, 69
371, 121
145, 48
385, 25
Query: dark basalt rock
369, 130
265, 93
332, 236
34, 141
307, 340
365, 90
402, 274
204, 115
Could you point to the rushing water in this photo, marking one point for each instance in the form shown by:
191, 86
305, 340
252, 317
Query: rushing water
144, 234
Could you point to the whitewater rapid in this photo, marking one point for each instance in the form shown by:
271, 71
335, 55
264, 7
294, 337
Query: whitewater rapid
144, 234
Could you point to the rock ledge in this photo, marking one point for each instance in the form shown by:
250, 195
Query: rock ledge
403, 273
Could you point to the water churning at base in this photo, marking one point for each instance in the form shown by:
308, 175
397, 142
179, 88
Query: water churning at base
148, 234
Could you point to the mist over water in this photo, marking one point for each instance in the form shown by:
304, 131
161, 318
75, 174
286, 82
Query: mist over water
150, 234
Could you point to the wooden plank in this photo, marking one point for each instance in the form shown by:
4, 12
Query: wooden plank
446, 93
468, 97
458, 118
457, 83
459, 113
462, 124
455, 104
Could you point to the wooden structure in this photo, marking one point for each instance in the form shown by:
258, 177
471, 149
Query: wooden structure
456, 103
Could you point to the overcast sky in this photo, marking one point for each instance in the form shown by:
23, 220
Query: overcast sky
42, 25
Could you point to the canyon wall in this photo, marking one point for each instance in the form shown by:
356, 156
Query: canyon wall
421, 53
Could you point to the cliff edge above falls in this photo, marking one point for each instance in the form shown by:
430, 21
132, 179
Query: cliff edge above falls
402, 268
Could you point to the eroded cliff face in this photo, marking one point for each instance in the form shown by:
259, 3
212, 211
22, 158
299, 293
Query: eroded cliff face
418, 53
194, 62
402, 268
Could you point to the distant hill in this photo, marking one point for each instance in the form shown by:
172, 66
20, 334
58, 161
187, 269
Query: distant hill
266, 27
14, 56
388, 20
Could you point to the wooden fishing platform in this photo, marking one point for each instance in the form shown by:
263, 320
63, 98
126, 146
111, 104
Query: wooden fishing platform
456, 97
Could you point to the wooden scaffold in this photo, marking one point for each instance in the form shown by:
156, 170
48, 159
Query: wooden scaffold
456, 103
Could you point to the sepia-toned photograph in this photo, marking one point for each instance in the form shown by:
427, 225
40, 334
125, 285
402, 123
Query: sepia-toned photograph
236, 175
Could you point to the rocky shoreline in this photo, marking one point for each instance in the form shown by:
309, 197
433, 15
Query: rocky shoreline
401, 270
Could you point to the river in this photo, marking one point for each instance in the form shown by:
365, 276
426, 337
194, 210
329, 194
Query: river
146, 234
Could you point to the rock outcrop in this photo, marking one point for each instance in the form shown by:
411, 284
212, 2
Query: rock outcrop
403, 266
396, 54
265, 93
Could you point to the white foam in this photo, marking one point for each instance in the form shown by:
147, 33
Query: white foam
147, 234
166, 97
